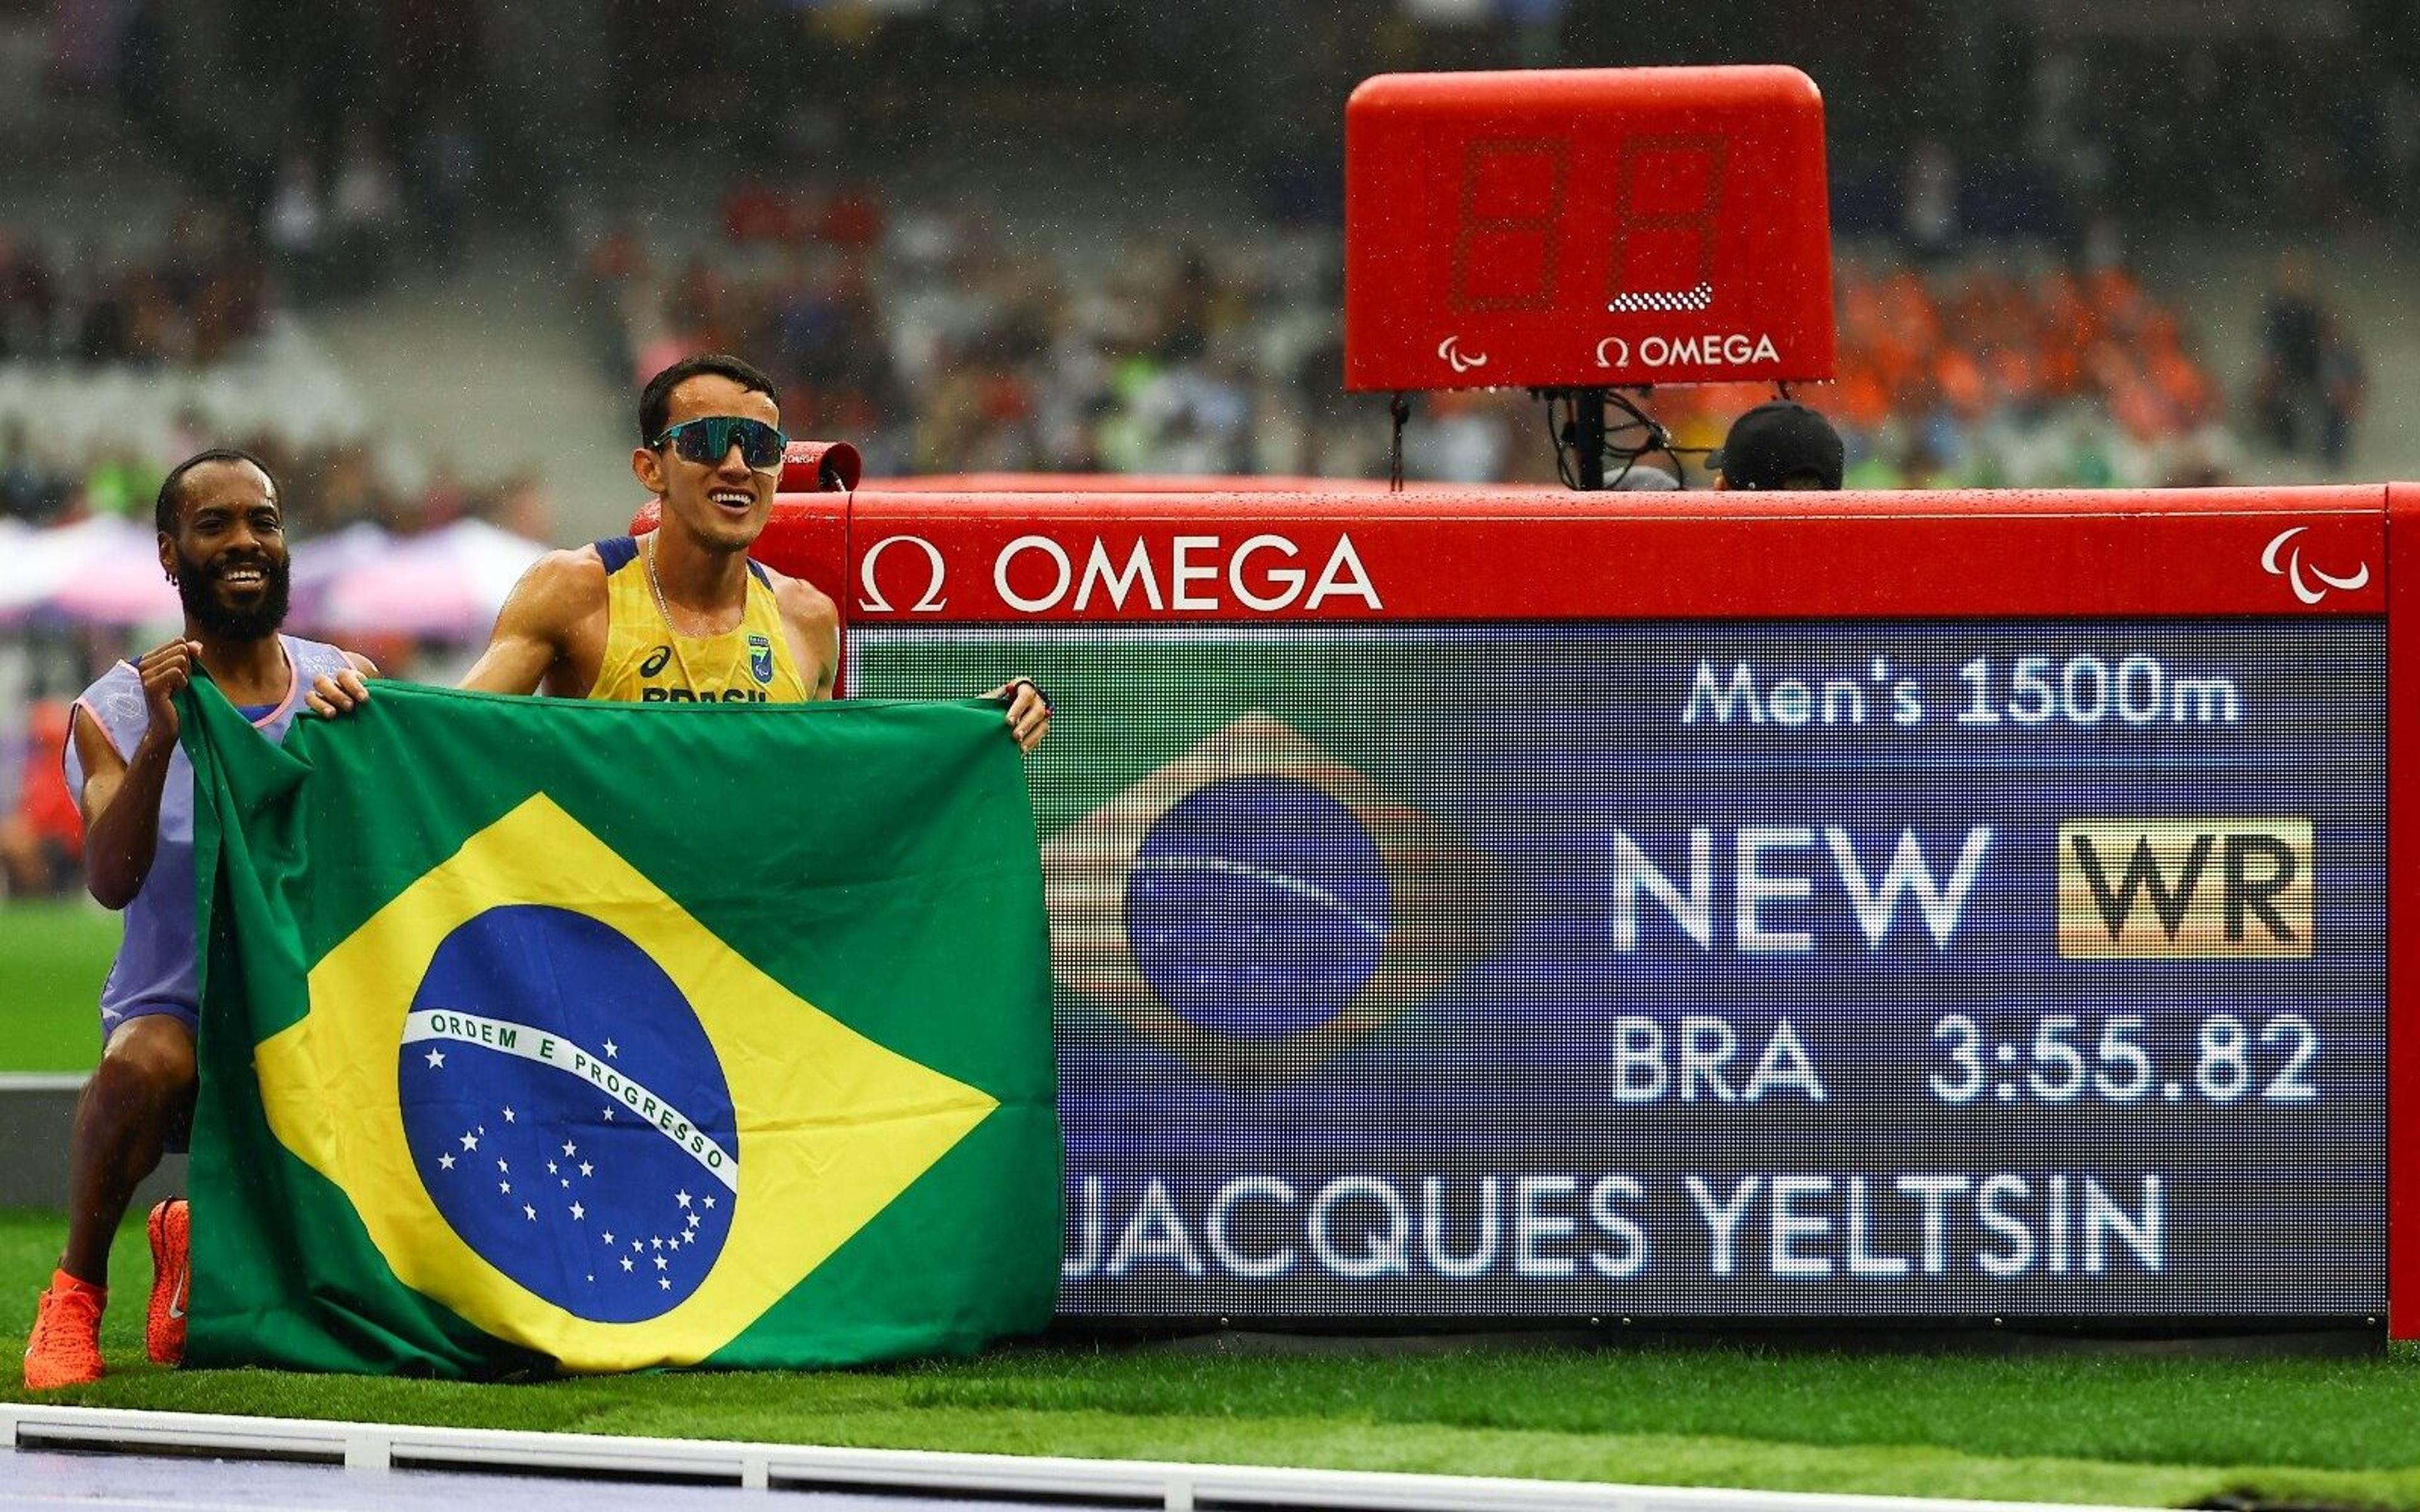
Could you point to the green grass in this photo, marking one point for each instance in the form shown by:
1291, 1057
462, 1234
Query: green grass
53, 956
2107, 1424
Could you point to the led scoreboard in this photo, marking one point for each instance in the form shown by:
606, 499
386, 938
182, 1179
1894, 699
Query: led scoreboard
1501, 903
1586, 229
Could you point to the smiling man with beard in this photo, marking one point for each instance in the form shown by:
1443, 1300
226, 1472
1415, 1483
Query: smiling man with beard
222, 543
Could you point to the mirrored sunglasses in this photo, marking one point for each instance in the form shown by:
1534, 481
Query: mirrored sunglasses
709, 440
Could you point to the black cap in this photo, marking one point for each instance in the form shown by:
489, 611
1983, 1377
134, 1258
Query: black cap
1774, 442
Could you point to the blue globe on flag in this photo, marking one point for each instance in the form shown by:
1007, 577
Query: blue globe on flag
566, 1112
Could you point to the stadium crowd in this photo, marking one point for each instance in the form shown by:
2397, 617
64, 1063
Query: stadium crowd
329, 486
189, 301
938, 348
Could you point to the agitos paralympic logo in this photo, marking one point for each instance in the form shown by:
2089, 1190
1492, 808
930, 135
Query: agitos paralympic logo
1256, 905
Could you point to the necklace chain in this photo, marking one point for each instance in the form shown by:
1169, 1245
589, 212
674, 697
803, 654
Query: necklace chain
656, 588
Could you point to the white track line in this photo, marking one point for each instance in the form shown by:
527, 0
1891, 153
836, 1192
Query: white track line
1177, 1487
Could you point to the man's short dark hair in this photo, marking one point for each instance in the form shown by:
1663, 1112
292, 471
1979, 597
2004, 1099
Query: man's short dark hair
655, 399
172, 488
1781, 444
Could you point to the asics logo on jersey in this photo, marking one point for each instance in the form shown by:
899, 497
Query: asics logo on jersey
655, 662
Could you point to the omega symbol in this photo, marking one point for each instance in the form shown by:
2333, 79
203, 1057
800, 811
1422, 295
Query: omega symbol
873, 603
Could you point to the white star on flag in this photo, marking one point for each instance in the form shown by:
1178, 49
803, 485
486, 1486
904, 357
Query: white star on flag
508, 1115
681, 1197
501, 1167
586, 1170
611, 1050
579, 1211
436, 1058
659, 1262
626, 1262
665, 1282
570, 1148
470, 1141
655, 1244
609, 1115
504, 1187
609, 1238
709, 1199
445, 1162
549, 1167
529, 1213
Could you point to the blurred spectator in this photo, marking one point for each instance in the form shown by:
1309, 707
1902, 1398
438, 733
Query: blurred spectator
27, 492
41, 839
27, 299
1929, 222
296, 227
121, 483
445, 176
365, 211
1459, 441
2311, 381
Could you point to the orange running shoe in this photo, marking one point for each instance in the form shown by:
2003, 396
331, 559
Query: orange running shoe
65, 1349
172, 1280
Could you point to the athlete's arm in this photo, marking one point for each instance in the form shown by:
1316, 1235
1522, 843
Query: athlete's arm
541, 618
121, 794
811, 620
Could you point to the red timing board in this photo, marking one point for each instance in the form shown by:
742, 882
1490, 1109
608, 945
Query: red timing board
1586, 229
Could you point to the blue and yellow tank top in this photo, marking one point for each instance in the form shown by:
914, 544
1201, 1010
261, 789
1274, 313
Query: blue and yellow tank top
647, 662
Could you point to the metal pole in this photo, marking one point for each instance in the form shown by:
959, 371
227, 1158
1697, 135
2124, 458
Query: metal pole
1587, 407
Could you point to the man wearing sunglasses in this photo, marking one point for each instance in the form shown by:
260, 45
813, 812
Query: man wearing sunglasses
681, 614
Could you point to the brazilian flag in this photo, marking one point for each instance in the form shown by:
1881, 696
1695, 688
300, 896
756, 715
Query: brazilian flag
544, 1035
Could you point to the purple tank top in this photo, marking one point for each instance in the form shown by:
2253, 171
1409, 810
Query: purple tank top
154, 969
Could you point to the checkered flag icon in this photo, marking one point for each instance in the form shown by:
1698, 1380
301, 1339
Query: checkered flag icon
1685, 301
